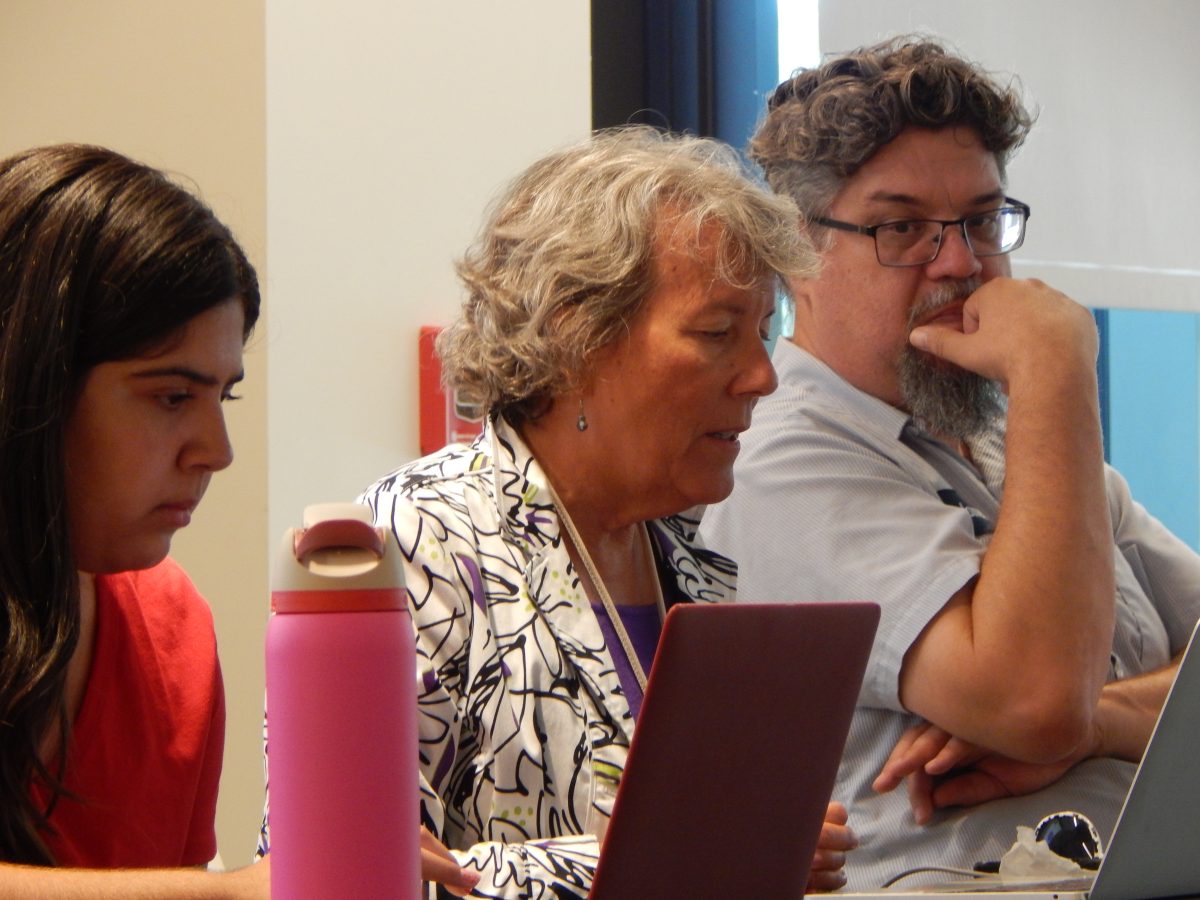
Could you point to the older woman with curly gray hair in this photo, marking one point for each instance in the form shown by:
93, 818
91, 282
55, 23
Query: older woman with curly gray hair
617, 304
567, 258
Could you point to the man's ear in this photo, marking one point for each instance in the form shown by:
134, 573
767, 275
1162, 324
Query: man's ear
803, 291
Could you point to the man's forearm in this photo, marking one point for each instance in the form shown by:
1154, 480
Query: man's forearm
1128, 711
1016, 661
1046, 581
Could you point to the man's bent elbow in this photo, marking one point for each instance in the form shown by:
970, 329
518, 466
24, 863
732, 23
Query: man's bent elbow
1049, 732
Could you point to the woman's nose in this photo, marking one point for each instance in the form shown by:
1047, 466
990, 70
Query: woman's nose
210, 447
758, 377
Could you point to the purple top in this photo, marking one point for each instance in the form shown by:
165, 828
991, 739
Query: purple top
643, 627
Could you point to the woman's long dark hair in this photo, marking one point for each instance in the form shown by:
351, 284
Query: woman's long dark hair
101, 258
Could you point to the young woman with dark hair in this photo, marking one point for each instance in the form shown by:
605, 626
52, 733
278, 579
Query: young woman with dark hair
124, 307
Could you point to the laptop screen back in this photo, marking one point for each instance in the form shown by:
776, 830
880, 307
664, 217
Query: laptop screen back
736, 750
1155, 848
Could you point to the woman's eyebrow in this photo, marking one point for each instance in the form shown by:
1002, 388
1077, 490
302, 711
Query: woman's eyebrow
187, 373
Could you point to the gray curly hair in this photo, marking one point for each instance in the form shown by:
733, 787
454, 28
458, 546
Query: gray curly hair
564, 260
822, 124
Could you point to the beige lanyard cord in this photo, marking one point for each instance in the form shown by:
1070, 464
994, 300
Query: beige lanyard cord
598, 584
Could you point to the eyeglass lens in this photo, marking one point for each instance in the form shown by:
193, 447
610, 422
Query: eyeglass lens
1071, 835
917, 241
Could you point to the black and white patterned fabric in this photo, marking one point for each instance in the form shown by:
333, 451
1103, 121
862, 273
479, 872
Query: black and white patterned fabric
523, 724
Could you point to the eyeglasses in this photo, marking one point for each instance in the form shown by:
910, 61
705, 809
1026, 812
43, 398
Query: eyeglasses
916, 242
1072, 835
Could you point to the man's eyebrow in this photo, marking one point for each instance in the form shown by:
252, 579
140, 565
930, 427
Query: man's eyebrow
989, 197
890, 197
909, 200
189, 374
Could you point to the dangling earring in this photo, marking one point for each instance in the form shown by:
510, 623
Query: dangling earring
581, 423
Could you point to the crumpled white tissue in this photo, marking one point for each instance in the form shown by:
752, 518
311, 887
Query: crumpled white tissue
1031, 858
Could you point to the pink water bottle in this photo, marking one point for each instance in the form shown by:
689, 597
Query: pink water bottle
341, 714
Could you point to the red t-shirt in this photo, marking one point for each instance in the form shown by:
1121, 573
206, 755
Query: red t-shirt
146, 748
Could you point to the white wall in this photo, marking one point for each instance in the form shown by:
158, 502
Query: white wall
388, 131
1110, 168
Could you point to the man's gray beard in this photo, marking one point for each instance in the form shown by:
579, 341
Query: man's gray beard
945, 399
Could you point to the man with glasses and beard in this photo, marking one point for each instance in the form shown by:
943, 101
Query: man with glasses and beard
935, 446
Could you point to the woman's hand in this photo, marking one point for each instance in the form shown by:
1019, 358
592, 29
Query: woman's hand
439, 865
828, 871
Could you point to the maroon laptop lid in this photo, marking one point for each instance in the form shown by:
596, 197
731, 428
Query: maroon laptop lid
736, 750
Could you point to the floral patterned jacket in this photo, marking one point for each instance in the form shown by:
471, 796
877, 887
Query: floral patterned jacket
523, 724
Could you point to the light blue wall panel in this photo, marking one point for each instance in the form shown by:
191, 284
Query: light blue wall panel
1154, 429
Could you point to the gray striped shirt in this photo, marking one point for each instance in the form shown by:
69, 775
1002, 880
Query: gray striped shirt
840, 496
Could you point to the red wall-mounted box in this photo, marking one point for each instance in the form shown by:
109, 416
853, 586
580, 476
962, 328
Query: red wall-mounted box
443, 418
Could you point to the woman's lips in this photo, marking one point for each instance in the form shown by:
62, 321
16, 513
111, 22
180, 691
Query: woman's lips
177, 515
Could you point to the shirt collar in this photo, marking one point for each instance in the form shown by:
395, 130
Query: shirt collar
797, 366
811, 375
